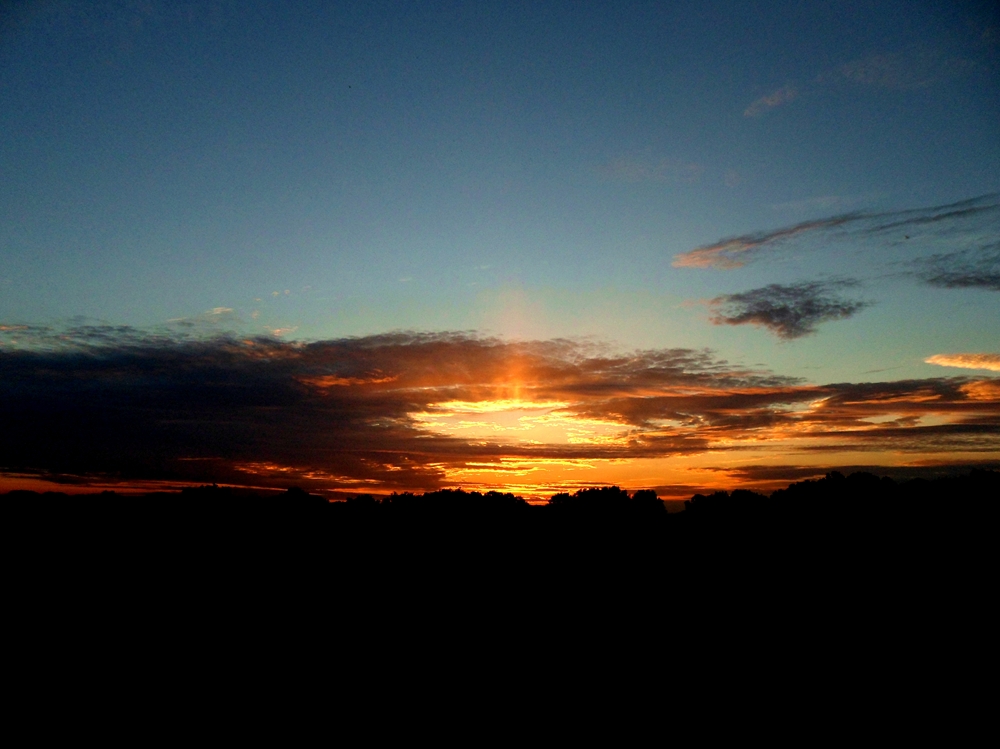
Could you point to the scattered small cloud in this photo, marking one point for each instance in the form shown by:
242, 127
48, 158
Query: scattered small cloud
764, 104
220, 311
788, 311
278, 332
967, 361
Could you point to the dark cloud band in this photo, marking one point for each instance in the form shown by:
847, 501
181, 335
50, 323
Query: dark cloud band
117, 404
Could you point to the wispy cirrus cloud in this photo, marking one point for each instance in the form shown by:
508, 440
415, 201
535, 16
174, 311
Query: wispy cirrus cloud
789, 311
966, 361
964, 269
968, 215
764, 104
735, 252
906, 70
423, 410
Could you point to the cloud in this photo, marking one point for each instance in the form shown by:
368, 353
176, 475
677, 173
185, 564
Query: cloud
115, 401
967, 361
903, 71
810, 204
964, 269
648, 169
421, 410
737, 251
910, 69
734, 252
776, 476
766, 103
790, 311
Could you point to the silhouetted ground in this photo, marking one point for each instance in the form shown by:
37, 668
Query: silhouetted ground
828, 520
844, 575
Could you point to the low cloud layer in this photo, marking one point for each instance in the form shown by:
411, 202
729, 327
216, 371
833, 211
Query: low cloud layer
734, 252
788, 311
419, 411
777, 476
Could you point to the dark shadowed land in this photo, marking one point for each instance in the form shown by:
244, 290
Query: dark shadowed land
824, 571
860, 510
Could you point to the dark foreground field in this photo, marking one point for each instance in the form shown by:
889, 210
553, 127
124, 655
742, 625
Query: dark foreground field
837, 516
823, 581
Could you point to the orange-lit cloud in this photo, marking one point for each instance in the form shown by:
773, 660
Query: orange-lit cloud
734, 252
419, 411
967, 361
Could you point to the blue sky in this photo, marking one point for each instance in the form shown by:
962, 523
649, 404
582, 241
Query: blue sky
526, 170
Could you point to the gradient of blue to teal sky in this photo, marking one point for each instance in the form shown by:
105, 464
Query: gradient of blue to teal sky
804, 188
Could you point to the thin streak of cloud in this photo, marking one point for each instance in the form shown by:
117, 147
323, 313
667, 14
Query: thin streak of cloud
917, 67
967, 361
788, 311
901, 71
810, 204
775, 476
734, 252
764, 104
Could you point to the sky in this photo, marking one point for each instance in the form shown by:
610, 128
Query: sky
537, 247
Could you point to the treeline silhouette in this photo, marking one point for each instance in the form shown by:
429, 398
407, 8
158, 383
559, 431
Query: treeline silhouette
858, 505
870, 543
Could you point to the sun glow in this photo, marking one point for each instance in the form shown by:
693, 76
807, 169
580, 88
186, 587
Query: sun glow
518, 421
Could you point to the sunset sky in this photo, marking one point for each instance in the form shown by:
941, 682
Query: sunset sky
525, 246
